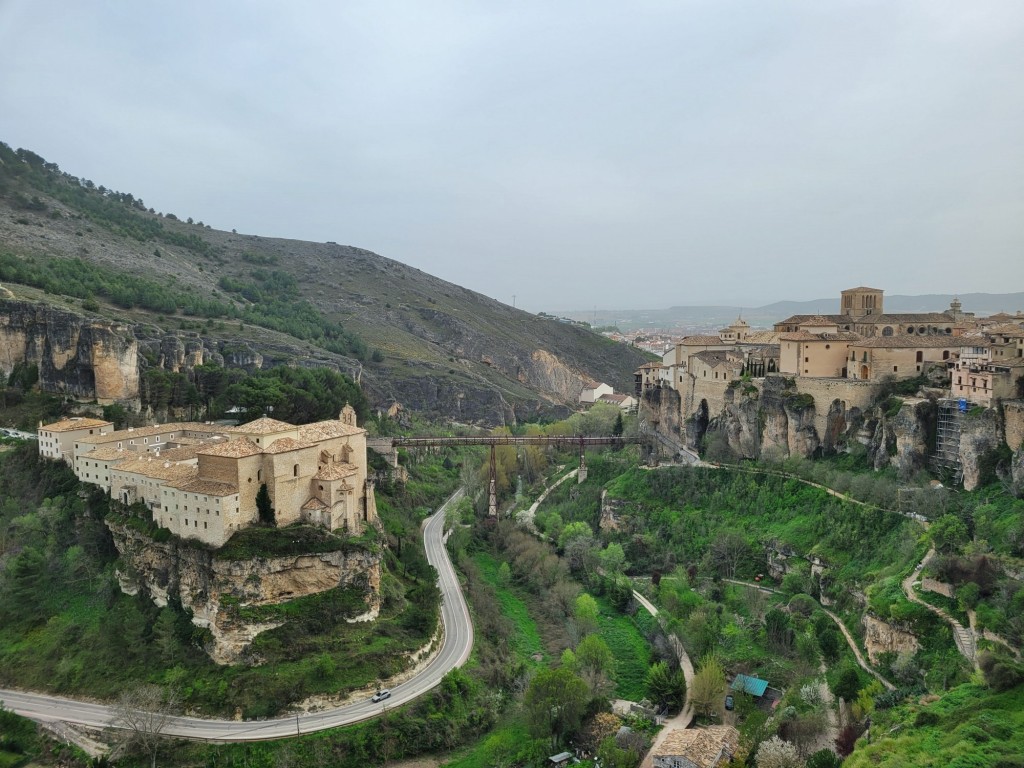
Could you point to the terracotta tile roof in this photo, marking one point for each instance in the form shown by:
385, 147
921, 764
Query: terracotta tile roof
649, 366
1006, 329
910, 342
862, 288
238, 448
703, 747
263, 426
799, 336
701, 341
133, 433
69, 425
335, 471
327, 430
613, 398
761, 337
208, 487
907, 317
183, 453
106, 453
157, 469
286, 444
798, 319
818, 322
314, 503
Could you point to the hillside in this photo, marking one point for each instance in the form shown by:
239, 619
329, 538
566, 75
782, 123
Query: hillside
409, 337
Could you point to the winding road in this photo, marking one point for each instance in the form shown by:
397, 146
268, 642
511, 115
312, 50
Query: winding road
455, 649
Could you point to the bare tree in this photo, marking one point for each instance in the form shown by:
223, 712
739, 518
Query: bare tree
144, 712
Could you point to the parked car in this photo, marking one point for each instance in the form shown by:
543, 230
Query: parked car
729, 703
381, 695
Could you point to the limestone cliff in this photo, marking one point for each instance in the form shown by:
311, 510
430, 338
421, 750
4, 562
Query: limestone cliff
882, 637
76, 356
213, 589
980, 435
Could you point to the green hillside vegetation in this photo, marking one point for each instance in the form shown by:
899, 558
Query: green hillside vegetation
321, 302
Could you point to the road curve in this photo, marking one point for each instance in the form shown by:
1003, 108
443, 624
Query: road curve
455, 649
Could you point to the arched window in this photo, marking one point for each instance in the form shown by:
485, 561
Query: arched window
887, 331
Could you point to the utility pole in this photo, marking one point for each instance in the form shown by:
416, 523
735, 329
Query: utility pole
513, 301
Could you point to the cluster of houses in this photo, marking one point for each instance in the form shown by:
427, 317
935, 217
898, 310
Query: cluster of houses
201, 480
984, 357
598, 392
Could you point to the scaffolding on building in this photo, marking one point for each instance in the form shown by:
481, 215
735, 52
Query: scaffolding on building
946, 459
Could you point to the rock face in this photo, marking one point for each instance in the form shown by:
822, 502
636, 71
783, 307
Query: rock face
979, 435
881, 637
213, 588
75, 355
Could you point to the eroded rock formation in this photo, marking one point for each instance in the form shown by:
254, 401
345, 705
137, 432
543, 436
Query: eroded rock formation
213, 588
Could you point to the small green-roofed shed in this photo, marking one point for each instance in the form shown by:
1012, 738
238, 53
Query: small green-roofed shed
752, 685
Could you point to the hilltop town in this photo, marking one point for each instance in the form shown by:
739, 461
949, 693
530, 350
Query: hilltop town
833, 368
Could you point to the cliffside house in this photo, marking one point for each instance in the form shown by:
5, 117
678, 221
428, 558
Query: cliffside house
57, 440
201, 480
623, 402
817, 348
592, 390
707, 747
902, 356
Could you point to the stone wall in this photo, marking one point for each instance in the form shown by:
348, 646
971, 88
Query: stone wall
939, 587
850, 393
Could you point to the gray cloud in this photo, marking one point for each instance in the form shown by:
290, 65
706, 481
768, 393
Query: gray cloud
574, 154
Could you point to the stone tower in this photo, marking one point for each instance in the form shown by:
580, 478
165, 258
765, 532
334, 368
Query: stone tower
860, 302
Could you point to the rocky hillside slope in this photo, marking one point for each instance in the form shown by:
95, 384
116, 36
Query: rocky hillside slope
407, 336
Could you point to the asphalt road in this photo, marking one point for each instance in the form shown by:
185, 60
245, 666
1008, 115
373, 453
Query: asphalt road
456, 647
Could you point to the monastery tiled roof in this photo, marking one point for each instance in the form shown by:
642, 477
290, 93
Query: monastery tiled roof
69, 425
238, 448
157, 469
286, 444
205, 487
905, 341
335, 471
183, 453
263, 426
106, 453
761, 337
314, 503
132, 433
703, 747
808, 336
327, 430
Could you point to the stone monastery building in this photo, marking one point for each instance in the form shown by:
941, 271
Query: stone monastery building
201, 480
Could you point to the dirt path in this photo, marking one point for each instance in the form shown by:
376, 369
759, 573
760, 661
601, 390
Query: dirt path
964, 636
525, 517
682, 720
838, 622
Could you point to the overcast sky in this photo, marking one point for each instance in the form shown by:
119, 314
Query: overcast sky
573, 154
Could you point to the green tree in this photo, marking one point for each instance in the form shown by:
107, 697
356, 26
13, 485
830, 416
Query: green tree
948, 533
264, 506
617, 429
666, 686
554, 704
707, 694
595, 664
586, 614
